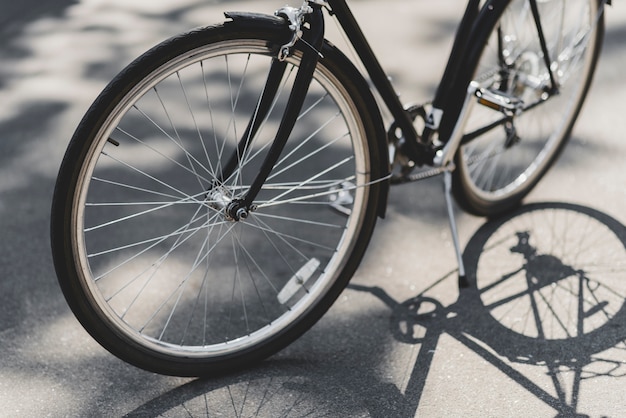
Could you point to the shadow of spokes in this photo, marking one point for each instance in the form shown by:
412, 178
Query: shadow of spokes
547, 289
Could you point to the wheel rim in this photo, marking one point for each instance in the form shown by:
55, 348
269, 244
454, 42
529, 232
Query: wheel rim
143, 175
511, 158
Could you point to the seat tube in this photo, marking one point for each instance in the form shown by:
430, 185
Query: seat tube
475, 28
445, 89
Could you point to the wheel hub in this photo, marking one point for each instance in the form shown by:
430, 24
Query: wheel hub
220, 198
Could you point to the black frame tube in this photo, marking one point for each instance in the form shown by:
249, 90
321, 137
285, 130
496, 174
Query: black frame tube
544, 48
350, 26
459, 72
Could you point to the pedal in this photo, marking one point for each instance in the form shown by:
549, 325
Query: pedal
500, 101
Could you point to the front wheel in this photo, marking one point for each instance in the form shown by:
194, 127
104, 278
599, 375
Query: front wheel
503, 156
146, 253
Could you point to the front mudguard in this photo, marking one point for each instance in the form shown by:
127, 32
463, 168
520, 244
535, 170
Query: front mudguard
259, 21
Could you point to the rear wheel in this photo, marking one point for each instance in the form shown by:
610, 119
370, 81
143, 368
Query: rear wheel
148, 257
503, 154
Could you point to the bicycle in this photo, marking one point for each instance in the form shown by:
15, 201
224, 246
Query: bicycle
221, 191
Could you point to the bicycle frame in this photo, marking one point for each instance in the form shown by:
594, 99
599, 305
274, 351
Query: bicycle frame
437, 144
476, 25
452, 94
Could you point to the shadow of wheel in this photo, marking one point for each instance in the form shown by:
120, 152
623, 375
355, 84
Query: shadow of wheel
273, 389
547, 283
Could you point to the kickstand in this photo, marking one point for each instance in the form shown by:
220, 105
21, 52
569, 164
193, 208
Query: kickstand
447, 182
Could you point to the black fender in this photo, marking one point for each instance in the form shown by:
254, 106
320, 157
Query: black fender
373, 116
259, 21
333, 54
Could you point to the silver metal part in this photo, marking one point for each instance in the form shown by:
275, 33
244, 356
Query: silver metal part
447, 182
295, 17
499, 101
242, 213
445, 157
425, 174
218, 200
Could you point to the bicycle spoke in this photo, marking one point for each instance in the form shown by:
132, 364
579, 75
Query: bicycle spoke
190, 158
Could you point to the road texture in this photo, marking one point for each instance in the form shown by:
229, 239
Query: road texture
377, 352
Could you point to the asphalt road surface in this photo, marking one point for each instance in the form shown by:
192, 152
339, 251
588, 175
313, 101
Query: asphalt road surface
372, 354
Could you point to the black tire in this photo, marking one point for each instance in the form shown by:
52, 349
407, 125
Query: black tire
498, 168
147, 260
547, 283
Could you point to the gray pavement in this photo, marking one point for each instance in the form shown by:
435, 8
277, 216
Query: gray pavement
371, 355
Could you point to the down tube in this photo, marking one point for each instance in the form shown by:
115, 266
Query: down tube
383, 85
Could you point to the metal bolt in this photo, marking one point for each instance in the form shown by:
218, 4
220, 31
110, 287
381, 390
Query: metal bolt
242, 213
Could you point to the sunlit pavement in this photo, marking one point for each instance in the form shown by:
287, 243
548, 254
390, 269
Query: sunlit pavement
371, 355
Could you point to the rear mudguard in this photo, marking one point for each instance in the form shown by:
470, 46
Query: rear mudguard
330, 52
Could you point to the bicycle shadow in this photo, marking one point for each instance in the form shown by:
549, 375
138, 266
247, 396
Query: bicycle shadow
523, 268
523, 264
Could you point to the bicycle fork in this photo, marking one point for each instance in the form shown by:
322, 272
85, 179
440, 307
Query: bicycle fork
313, 37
